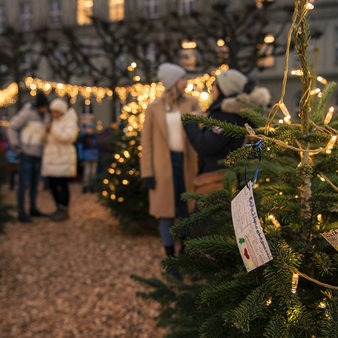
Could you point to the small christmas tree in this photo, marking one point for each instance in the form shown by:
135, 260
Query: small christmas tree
294, 295
121, 186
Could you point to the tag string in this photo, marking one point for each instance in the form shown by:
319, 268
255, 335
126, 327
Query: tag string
259, 145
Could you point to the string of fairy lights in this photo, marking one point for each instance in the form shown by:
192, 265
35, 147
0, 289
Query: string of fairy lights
198, 87
72, 91
138, 95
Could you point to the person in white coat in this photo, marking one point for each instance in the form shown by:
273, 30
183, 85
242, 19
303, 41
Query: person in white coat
59, 156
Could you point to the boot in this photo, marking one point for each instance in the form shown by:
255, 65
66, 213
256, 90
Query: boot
58, 207
61, 214
170, 250
37, 213
23, 218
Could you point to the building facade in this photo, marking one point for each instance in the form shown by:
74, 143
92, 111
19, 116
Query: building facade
30, 16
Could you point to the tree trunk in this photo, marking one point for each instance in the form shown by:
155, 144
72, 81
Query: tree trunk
301, 44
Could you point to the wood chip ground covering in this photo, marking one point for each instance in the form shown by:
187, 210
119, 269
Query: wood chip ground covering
71, 279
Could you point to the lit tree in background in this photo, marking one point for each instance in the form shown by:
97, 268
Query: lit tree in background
121, 187
294, 295
19, 57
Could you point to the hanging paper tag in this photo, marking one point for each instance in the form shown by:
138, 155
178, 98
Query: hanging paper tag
332, 238
250, 237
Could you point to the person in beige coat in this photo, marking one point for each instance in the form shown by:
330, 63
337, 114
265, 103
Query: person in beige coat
168, 162
59, 156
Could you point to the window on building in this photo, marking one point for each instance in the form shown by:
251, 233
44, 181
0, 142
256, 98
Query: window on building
3, 69
27, 62
2, 18
151, 53
116, 10
189, 55
151, 8
3, 113
55, 13
265, 56
223, 52
26, 16
87, 110
186, 6
189, 59
84, 11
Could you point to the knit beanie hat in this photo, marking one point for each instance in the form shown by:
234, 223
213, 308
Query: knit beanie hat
59, 105
169, 74
41, 100
231, 82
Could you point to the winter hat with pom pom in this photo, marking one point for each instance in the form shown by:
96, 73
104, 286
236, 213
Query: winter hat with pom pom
169, 74
59, 105
231, 82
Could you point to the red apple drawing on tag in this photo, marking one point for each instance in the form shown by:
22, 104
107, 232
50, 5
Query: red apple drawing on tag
246, 254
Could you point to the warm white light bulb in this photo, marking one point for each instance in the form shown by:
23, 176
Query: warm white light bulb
329, 115
309, 6
294, 282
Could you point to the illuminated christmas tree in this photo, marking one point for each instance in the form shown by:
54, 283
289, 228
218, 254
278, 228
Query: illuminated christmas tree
295, 294
121, 186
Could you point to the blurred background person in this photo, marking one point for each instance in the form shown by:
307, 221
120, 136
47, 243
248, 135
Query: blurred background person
25, 134
59, 156
168, 162
211, 145
88, 153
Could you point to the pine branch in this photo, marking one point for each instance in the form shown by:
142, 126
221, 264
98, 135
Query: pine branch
276, 327
228, 129
277, 274
252, 307
198, 266
195, 219
230, 182
161, 292
318, 112
329, 324
214, 326
324, 264
214, 246
254, 115
214, 294
239, 154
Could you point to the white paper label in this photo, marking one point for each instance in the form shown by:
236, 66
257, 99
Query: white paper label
332, 238
250, 237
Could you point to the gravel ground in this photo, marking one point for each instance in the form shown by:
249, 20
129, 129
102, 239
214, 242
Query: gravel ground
71, 279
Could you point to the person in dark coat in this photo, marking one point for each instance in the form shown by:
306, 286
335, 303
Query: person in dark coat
211, 145
25, 134
88, 153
